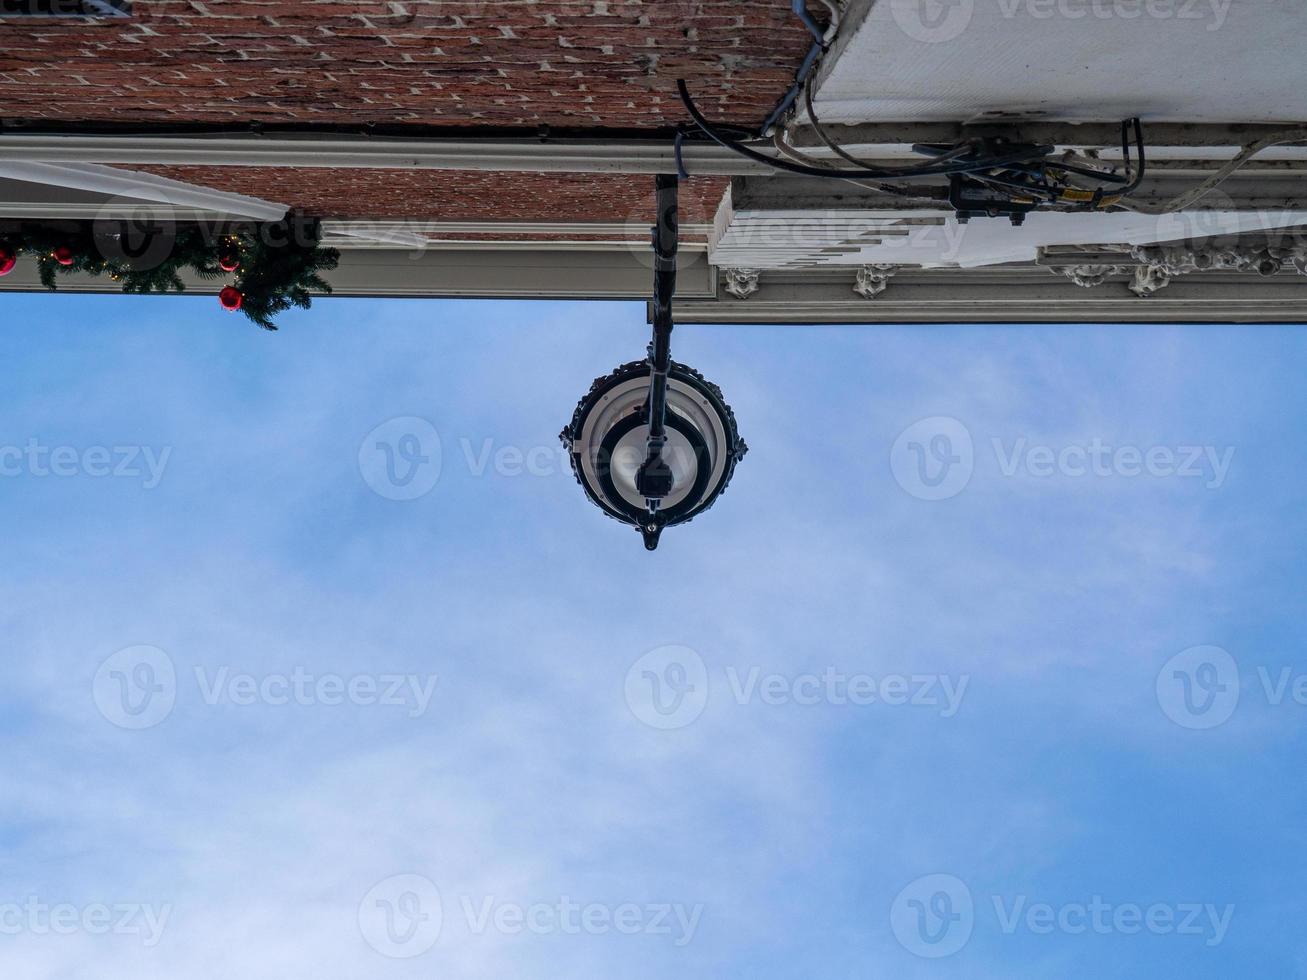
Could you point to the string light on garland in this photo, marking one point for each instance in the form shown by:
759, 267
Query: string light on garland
276, 265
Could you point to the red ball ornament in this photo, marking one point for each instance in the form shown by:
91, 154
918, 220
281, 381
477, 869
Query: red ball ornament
231, 298
63, 255
8, 259
229, 261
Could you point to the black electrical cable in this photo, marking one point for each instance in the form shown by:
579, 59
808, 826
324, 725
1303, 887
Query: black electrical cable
841, 152
820, 130
1089, 172
1030, 189
932, 169
1104, 176
953, 153
922, 194
678, 150
1142, 165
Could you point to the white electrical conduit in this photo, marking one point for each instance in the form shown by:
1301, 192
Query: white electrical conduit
1211, 183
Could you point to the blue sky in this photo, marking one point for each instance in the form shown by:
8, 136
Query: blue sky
521, 763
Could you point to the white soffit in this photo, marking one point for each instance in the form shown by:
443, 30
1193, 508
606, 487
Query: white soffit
936, 240
1215, 61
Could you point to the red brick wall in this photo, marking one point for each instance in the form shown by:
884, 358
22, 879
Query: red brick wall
583, 63
442, 195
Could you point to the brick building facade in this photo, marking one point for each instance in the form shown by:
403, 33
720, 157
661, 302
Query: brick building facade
495, 65
456, 195
585, 64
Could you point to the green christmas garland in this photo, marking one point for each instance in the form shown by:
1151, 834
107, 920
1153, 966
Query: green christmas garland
275, 265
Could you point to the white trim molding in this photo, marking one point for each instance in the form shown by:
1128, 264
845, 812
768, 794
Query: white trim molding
128, 189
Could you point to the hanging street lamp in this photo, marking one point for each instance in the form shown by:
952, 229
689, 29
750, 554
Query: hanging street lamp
653, 444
